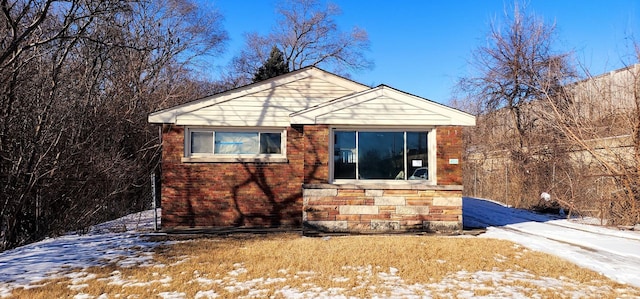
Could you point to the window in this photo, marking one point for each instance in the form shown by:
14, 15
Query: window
211, 143
381, 155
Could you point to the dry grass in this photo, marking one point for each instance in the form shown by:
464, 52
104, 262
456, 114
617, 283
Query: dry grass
360, 266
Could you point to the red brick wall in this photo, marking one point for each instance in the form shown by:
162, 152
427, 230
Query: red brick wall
230, 194
449, 146
316, 154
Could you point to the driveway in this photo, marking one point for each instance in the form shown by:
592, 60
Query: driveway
612, 252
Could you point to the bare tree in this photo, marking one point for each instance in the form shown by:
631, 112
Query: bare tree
78, 79
307, 34
542, 130
603, 127
516, 67
514, 70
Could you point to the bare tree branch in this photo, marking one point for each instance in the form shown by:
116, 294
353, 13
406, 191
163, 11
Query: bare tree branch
307, 34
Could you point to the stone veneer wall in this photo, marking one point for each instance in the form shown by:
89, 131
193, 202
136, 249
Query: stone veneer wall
335, 208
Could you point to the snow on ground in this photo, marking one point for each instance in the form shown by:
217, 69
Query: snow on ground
616, 254
613, 253
117, 241
461, 284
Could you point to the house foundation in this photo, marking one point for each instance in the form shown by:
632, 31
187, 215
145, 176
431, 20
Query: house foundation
382, 208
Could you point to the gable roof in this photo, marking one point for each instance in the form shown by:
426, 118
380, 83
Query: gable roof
311, 96
301, 87
382, 105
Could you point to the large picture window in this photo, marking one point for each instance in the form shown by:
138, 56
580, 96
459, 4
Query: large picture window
380, 155
210, 142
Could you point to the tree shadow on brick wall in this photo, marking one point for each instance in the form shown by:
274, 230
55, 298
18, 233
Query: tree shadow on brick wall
189, 213
274, 205
278, 210
262, 196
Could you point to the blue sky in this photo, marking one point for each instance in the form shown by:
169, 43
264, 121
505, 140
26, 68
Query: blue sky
423, 47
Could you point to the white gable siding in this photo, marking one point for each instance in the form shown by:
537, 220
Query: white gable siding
270, 107
382, 110
306, 86
382, 106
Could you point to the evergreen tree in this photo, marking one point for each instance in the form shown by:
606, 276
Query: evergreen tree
274, 66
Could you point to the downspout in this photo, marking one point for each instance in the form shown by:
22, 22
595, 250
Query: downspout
153, 183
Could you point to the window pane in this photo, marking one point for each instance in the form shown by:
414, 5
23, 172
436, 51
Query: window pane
270, 143
344, 155
381, 155
202, 142
417, 158
236, 143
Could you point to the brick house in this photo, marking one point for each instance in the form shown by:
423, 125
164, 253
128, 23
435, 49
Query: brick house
313, 149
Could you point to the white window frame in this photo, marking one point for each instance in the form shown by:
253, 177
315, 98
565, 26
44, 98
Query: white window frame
190, 157
431, 156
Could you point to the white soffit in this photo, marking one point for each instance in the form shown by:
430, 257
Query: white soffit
170, 115
382, 105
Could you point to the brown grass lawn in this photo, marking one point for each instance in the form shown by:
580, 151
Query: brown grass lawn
288, 265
